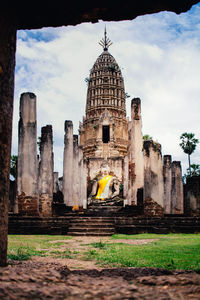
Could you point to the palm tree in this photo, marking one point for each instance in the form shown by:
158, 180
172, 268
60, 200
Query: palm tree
188, 144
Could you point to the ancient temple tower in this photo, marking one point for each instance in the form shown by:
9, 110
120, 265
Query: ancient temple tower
104, 131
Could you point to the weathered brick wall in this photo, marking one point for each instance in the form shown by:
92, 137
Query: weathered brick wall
192, 196
37, 225
152, 208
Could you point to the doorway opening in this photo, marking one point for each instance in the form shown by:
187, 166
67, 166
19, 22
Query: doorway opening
106, 134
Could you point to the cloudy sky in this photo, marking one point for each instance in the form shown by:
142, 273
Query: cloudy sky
159, 56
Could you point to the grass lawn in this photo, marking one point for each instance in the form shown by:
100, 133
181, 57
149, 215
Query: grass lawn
169, 251
23, 247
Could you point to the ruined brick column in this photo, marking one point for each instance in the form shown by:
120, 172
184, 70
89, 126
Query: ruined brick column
153, 179
135, 154
177, 189
27, 175
46, 180
7, 69
192, 196
173, 186
167, 177
68, 164
55, 182
76, 172
82, 179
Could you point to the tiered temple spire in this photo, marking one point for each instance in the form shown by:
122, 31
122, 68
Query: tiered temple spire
105, 107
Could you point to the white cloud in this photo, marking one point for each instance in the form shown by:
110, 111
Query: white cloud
160, 61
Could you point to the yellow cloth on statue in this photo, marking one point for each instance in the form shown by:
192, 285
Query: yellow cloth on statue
103, 187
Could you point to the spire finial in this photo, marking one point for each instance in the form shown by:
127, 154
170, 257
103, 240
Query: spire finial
105, 42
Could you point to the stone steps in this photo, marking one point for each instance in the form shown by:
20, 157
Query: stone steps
110, 230
95, 221
91, 233
91, 226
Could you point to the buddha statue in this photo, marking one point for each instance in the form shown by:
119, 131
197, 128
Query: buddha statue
105, 186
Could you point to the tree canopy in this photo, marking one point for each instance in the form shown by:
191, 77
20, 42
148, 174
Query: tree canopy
13, 166
188, 142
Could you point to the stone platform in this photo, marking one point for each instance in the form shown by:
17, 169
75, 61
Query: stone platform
82, 224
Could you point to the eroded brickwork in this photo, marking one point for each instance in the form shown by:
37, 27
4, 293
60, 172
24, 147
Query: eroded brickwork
28, 205
152, 208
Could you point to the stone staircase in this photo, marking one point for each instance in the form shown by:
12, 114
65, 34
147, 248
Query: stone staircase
91, 226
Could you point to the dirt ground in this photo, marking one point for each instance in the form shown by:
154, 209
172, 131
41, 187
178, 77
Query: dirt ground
50, 278
82, 244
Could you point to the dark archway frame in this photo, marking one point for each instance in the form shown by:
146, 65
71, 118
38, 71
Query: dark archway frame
50, 14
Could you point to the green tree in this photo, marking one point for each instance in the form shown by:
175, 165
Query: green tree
147, 137
188, 144
112, 67
87, 80
127, 95
13, 166
39, 142
195, 169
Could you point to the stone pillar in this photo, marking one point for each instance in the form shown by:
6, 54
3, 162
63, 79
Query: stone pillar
125, 189
27, 176
46, 172
76, 172
55, 182
153, 179
135, 154
82, 180
68, 164
173, 186
7, 69
177, 205
167, 177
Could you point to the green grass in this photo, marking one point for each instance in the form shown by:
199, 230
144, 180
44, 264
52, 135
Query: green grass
90, 255
170, 251
99, 245
23, 247
140, 236
20, 254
